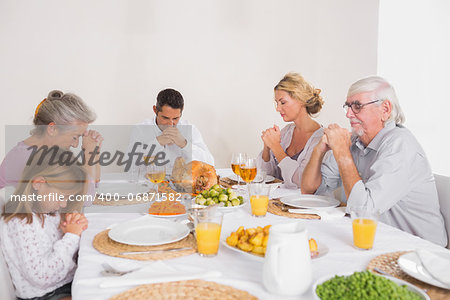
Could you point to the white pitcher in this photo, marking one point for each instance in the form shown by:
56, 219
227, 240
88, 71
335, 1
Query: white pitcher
287, 263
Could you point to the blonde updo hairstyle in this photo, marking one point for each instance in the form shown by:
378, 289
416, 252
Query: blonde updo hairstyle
61, 109
298, 88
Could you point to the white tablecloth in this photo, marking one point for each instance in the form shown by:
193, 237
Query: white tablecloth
238, 270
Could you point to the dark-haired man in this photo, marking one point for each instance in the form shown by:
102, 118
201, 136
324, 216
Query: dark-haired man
170, 134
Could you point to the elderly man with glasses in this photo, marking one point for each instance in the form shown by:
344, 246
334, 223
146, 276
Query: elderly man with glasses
380, 164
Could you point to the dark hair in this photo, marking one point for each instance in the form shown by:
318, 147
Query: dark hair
169, 97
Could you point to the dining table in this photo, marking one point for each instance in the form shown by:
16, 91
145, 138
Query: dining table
237, 269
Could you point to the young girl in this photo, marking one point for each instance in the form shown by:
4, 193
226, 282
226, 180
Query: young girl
39, 242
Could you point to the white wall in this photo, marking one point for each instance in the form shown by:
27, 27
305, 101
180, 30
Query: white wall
224, 56
414, 48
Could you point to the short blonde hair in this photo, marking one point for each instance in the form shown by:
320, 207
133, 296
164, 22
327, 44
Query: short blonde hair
62, 109
298, 88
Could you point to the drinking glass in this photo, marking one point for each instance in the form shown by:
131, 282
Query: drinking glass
259, 198
137, 174
155, 174
134, 174
260, 175
248, 170
237, 159
364, 223
208, 225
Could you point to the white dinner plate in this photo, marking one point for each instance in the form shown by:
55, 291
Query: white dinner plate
411, 287
123, 189
411, 264
257, 179
322, 250
273, 186
310, 201
148, 232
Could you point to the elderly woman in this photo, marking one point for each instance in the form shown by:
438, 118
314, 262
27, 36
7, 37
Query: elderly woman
60, 120
286, 152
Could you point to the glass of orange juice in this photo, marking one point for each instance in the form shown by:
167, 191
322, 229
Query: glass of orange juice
364, 223
208, 224
259, 198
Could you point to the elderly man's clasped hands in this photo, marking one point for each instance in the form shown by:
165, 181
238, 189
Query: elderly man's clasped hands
335, 138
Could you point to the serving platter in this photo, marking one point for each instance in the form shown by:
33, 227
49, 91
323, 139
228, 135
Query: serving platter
322, 250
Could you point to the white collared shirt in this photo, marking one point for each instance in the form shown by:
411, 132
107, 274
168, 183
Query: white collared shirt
195, 149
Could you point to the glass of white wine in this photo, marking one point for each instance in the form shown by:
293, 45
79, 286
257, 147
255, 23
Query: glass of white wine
155, 174
248, 169
237, 160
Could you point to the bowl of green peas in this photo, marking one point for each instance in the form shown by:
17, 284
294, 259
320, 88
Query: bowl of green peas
365, 286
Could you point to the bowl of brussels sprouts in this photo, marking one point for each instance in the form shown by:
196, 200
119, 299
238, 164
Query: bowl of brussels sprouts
224, 198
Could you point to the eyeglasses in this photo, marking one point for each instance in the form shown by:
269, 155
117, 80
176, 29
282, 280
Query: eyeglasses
356, 106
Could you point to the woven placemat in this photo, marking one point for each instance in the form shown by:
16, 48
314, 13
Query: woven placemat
388, 263
275, 207
120, 202
105, 245
188, 289
227, 182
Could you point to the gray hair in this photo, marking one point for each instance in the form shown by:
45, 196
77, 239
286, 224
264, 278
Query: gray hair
62, 109
381, 90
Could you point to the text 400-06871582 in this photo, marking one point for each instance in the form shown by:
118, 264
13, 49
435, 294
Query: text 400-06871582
146, 197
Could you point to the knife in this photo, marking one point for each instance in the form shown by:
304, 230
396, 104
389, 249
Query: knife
305, 211
154, 251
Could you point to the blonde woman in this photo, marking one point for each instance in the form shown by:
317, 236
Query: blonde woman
286, 152
39, 243
60, 120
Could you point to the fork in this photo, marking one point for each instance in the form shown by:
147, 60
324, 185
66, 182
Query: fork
379, 271
189, 224
283, 207
109, 270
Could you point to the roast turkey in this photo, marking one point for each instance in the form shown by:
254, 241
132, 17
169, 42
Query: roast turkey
193, 177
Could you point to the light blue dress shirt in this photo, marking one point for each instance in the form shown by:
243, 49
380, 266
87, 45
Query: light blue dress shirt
396, 179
